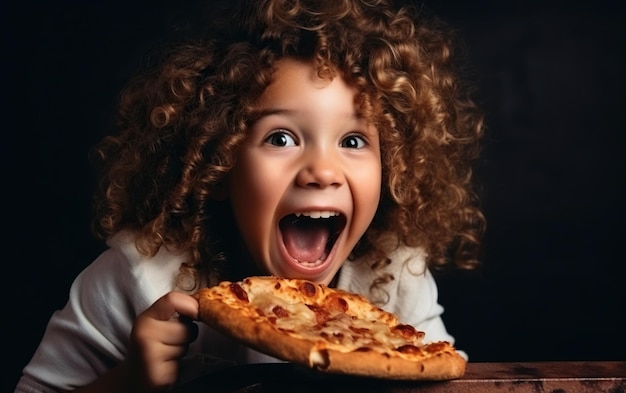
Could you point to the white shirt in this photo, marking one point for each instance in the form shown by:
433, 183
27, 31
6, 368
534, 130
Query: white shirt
90, 334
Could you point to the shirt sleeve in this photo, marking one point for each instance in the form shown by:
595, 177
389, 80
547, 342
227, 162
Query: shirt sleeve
89, 334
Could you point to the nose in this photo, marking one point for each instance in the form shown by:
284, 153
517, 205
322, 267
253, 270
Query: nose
320, 171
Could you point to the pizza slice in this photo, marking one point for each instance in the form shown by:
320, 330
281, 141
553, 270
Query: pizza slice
325, 328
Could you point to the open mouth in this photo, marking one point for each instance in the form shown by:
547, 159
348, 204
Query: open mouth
310, 236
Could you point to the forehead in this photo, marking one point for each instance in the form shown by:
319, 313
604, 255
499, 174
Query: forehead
297, 81
294, 70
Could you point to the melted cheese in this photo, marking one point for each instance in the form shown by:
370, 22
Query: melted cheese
341, 331
328, 319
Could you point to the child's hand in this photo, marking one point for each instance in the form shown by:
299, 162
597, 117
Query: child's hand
159, 338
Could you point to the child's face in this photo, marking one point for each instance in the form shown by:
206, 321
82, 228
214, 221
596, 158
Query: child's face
309, 155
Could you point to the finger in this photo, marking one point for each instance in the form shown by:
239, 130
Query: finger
174, 304
179, 332
185, 305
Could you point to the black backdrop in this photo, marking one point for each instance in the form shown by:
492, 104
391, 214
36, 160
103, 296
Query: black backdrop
551, 81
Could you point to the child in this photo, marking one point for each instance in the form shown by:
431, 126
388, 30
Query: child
322, 140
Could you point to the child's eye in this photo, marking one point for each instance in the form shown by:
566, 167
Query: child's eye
281, 139
353, 142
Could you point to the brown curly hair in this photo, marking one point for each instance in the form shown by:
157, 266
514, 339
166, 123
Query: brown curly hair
182, 121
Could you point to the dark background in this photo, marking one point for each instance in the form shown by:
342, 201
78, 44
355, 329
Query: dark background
550, 78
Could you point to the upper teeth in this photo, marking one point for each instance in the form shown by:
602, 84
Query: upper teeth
317, 214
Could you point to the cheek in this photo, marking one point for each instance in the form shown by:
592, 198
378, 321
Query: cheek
253, 194
259, 193
372, 201
367, 196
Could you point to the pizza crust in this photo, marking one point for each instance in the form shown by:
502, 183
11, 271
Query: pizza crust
442, 366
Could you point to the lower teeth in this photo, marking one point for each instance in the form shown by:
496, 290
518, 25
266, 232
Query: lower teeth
310, 264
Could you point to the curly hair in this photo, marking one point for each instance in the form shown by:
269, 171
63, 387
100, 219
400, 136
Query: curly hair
182, 121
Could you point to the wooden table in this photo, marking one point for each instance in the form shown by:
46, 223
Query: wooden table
540, 377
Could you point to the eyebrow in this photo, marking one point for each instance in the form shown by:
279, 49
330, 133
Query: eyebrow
271, 111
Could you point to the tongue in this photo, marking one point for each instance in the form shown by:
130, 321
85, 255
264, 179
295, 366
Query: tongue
305, 240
